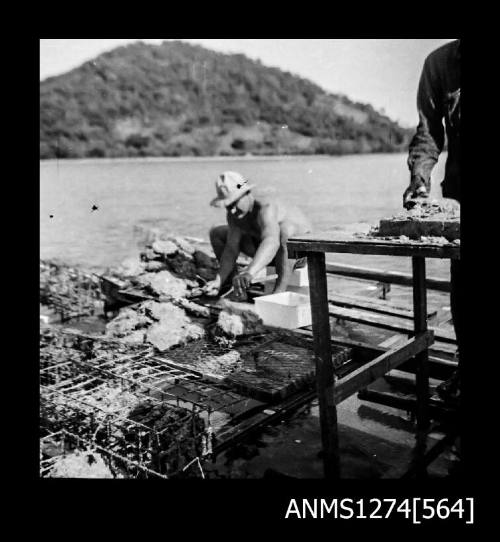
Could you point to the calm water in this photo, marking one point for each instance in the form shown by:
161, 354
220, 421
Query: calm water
334, 191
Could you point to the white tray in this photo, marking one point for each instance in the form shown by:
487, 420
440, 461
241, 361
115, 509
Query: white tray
287, 309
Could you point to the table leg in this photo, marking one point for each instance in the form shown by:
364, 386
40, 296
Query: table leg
422, 373
324, 365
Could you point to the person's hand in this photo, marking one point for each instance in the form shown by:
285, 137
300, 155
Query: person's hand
242, 282
212, 287
417, 189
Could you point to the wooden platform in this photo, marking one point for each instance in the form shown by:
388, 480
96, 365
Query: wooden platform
314, 246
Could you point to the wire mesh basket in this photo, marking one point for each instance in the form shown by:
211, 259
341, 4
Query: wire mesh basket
145, 414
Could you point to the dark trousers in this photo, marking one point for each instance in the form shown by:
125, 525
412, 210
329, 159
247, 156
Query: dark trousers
458, 323
456, 285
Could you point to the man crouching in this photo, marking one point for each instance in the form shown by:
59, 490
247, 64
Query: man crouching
258, 226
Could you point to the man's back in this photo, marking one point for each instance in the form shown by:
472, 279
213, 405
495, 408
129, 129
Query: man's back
269, 207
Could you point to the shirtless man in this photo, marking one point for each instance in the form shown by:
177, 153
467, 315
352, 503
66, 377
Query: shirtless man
258, 226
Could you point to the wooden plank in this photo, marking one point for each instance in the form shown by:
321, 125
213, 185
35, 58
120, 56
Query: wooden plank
375, 249
385, 322
368, 373
402, 402
335, 242
444, 349
382, 307
392, 341
440, 353
419, 295
391, 277
135, 294
420, 325
363, 239
422, 361
324, 366
405, 381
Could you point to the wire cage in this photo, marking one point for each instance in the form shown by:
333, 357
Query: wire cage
147, 416
70, 291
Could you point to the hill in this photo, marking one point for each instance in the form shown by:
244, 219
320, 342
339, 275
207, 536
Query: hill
178, 99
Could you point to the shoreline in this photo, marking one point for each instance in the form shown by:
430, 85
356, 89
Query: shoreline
232, 158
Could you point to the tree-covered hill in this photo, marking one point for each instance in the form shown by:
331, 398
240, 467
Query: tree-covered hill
178, 99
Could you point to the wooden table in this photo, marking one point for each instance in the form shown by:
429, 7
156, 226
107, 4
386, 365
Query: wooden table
330, 393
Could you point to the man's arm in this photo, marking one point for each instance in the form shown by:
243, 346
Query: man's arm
428, 142
231, 252
267, 249
270, 243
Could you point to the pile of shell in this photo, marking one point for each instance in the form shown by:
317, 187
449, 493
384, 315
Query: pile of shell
431, 221
162, 324
171, 270
80, 464
236, 320
170, 266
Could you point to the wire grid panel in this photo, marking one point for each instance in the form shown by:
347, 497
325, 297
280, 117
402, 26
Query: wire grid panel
213, 357
267, 367
155, 377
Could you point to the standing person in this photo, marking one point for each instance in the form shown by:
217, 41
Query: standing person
258, 226
438, 100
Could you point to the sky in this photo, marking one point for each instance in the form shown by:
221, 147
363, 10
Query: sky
381, 72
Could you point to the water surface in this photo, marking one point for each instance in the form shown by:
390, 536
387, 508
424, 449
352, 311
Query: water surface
333, 191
